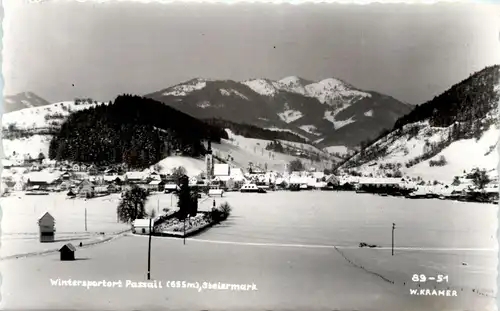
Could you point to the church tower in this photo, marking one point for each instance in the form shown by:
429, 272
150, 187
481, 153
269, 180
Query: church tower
209, 162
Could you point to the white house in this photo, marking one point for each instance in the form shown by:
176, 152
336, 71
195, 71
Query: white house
221, 170
135, 177
141, 226
318, 175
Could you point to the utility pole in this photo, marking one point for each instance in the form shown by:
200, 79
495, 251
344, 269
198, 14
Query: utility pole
393, 227
184, 230
149, 250
85, 219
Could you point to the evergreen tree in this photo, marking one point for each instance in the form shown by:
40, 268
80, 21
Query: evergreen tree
184, 202
41, 157
132, 205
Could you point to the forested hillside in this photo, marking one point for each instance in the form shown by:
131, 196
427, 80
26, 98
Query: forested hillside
132, 130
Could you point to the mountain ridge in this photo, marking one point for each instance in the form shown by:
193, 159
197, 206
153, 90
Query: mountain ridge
315, 110
21, 101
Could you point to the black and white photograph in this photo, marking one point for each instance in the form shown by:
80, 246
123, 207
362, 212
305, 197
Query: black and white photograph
249, 156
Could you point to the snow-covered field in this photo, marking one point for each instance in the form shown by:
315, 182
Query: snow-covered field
21, 213
284, 243
348, 218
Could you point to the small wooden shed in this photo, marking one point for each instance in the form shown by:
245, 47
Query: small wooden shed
67, 252
46, 224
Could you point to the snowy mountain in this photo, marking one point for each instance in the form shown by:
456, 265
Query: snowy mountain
21, 101
331, 112
454, 132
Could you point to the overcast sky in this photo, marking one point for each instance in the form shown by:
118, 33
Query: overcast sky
64, 50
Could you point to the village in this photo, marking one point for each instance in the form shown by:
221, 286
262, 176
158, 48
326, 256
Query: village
43, 176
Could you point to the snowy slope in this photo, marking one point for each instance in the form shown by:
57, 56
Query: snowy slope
295, 84
187, 87
35, 122
264, 87
245, 150
287, 130
329, 90
460, 155
31, 145
41, 117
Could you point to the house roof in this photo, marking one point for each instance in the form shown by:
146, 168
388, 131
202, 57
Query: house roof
380, 180
111, 177
86, 182
68, 247
46, 215
135, 175
6, 162
155, 182
171, 186
222, 178
43, 177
